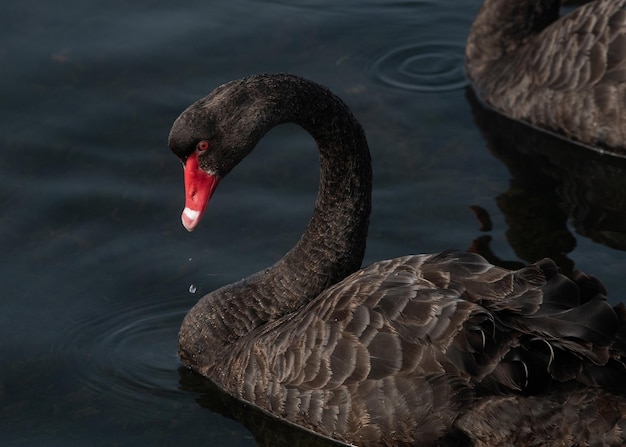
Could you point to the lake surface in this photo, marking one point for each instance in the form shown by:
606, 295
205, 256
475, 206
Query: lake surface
97, 270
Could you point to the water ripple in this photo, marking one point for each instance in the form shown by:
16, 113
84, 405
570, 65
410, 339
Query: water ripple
128, 354
422, 67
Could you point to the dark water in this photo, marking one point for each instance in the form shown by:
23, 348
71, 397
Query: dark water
97, 271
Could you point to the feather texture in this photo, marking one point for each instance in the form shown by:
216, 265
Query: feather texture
566, 74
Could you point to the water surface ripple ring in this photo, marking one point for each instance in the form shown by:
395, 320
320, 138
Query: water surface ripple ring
128, 353
423, 67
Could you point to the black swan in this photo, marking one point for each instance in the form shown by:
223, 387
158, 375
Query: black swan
566, 74
418, 350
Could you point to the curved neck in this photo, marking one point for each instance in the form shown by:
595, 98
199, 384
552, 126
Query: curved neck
502, 26
333, 244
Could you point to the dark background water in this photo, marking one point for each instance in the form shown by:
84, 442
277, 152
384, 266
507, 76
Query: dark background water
97, 271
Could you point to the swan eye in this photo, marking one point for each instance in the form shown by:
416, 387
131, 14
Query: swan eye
203, 145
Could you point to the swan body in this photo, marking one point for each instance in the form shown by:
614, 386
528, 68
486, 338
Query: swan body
566, 74
440, 349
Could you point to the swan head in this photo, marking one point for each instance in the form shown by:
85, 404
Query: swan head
210, 138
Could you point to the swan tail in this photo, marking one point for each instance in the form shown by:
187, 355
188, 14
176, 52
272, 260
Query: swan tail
573, 335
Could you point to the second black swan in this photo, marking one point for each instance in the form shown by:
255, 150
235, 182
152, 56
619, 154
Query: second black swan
566, 74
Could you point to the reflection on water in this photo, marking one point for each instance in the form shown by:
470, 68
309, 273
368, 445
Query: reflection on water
555, 184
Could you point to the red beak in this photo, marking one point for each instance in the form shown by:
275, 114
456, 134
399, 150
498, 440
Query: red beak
199, 187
